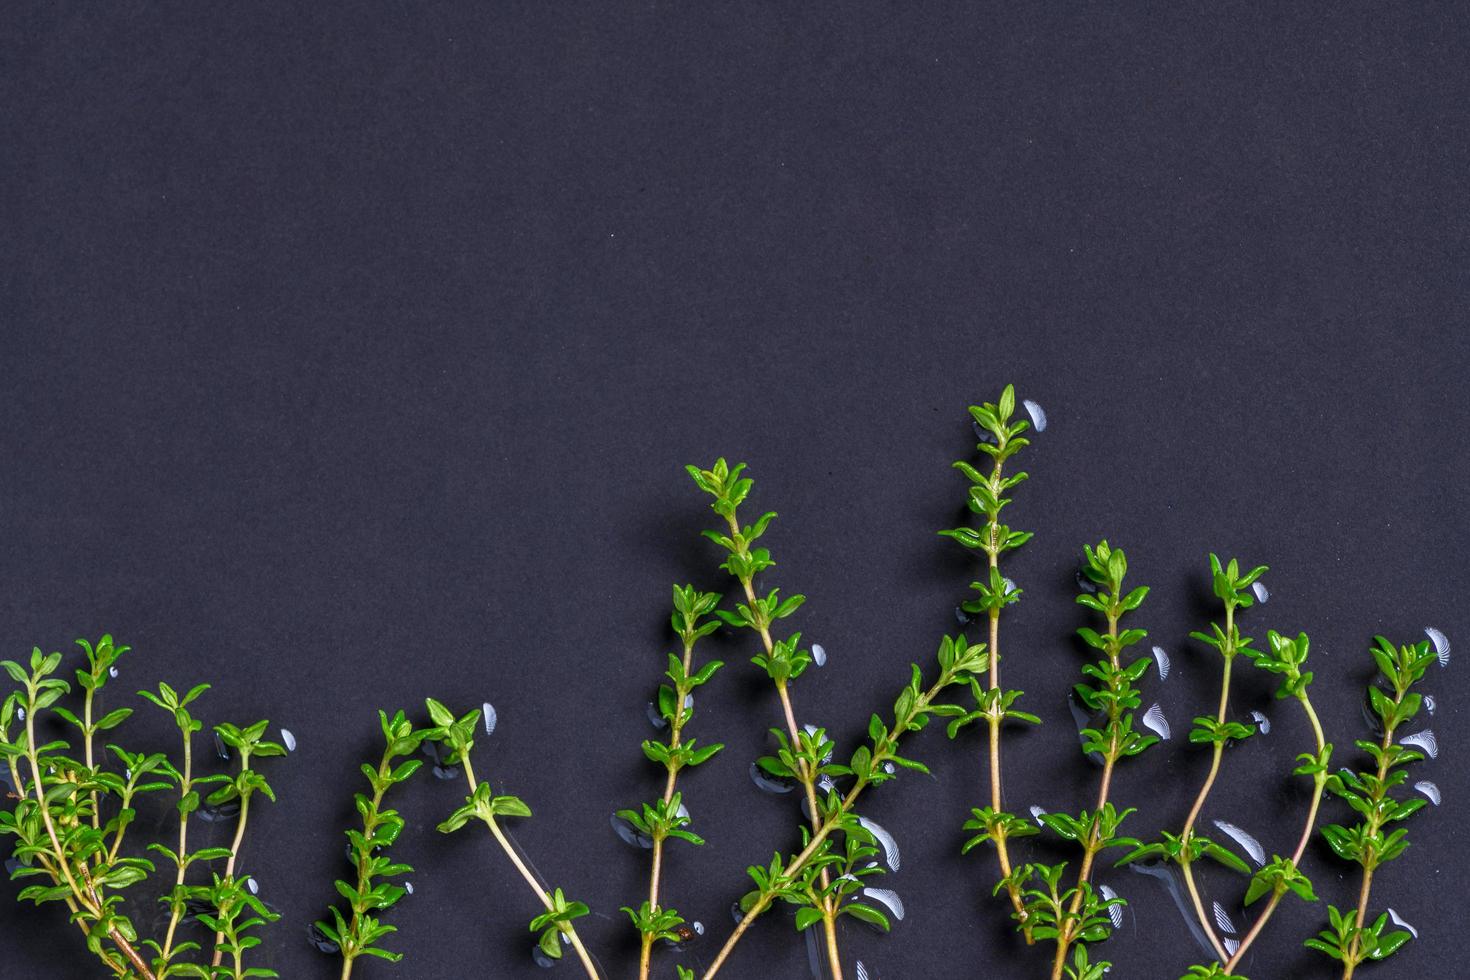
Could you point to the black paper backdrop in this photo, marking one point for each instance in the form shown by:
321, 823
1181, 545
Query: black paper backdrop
353, 357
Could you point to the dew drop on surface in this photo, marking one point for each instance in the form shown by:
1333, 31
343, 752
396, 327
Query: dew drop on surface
1084, 719
20, 715
216, 814
221, 747
819, 655
683, 810
1250, 844
541, 959
288, 740
656, 719
112, 671
1231, 945
982, 433
1154, 719
320, 941
1169, 878
1115, 912
408, 887
1222, 918
1402, 924
1263, 724
689, 700
487, 714
1088, 585
884, 839
1162, 662
861, 971
12, 865
630, 834
1423, 741
889, 898
961, 615
1037, 413
1441, 644
1009, 584
890, 768
1429, 703
251, 884
1263, 594
767, 783
737, 914
1037, 813
1430, 791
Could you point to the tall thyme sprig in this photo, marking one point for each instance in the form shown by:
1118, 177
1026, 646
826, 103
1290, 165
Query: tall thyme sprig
1234, 590
667, 818
1114, 697
554, 925
796, 879
358, 932
1370, 843
1282, 876
986, 498
783, 660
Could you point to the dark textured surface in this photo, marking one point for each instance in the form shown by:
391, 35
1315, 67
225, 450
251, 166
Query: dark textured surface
351, 358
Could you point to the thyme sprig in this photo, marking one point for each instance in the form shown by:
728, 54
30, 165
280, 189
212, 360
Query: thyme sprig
1373, 841
667, 818
986, 498
554, 925
358, 932
796, 879
1115, 697
783, 660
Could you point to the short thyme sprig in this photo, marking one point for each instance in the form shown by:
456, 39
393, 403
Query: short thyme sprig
782, 660
555, 923
795, 879
1352, 939
358, 932
666, 818
987, 499
1116, 698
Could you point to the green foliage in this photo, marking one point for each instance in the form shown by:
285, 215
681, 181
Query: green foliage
360, 929
72, 810
555, 922
1373, 840
1212, 972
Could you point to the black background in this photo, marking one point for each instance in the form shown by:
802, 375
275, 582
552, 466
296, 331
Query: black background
351, 357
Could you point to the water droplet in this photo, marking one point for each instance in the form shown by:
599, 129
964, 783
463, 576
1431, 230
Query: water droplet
217, 814
1115, 912
1263, 594
1441, 644
890, 768
1402, 924
685, 934
1263, 724
862, 971
1010, 585
1424, 741
1252, 846
1231, 945
12, 865
656, 719
221, 748
1161, 660
819, 655
768, 783
1084, 720
887, 897
112, 671
630, 834
884, 838
1222, 918
982, 433
1169, 878
1086, 584
319, 940
1154, 719
1037, 813
288, 740
408, 887
250, 884
961, 615
1430, 790
20, 714
737, 914
541, 959
1429, 703
689, 700
487, 712
1037, 413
